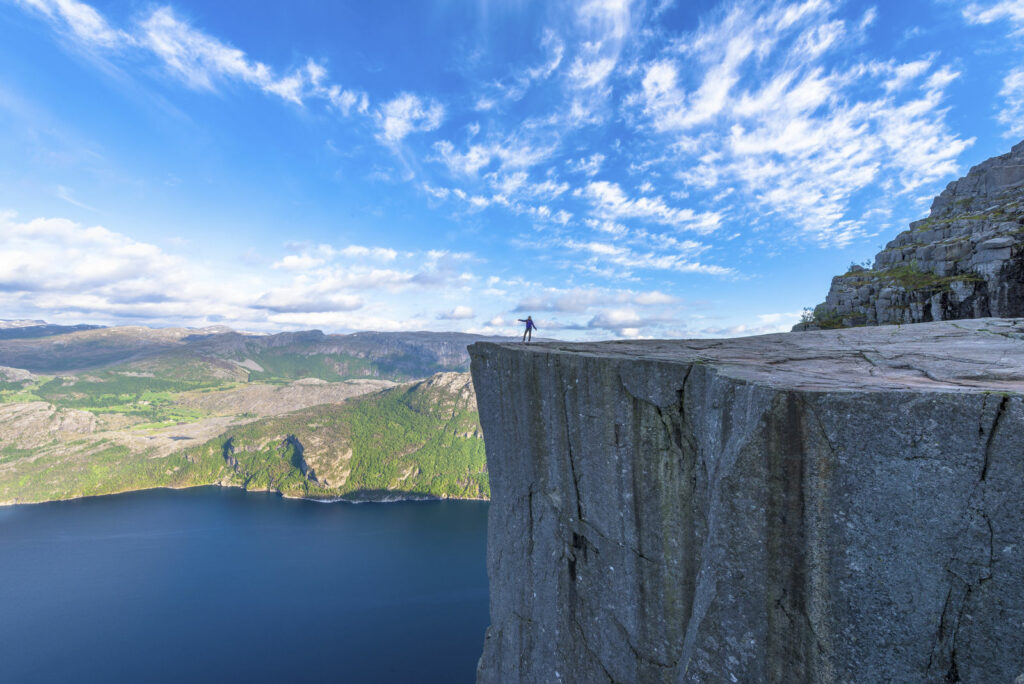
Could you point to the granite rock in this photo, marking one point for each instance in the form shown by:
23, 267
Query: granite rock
827, 506
965, 260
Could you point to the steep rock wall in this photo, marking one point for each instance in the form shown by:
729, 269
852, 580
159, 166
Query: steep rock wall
965, 260
834, 506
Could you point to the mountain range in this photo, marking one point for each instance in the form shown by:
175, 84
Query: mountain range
87, 410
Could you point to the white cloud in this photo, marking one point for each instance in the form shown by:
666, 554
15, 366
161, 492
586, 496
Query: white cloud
518, 84
869, 17
61, 255
65, 194
358, 251
459, 313
84, 22
405, 114
604, 26
588, 165
787, 319
662, 260
555, 49
584, 300
766, 113
654, 298
297, 262
611, 202
298, 301
588, 74
436, 192
905, 73
320, 255
1012, 114
56, 268
1011, 10
200, 60
466, 163
197, 58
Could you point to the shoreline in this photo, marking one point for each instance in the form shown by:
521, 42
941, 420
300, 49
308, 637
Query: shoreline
397, 497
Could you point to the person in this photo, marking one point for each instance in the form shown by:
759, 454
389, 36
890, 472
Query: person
530, 327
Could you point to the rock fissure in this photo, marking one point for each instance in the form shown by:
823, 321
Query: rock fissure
641, 657
572, 460
1000, 412
594, 655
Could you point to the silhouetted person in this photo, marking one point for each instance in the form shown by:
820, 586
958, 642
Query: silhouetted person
530, 327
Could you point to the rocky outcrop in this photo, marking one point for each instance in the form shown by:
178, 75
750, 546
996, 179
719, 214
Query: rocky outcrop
31, 424
15, 374
829, 506
966, 260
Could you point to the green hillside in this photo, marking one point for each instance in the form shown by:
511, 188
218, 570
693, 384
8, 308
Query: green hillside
97, 411
419, 439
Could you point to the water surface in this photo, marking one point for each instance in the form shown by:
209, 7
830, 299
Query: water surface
214, 584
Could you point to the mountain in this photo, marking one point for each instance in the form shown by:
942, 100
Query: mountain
112, 409
415, 440
10, 329
419, 439
292, 355
965, 260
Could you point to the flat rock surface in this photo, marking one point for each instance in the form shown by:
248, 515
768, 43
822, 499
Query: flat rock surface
973, 355
824, 506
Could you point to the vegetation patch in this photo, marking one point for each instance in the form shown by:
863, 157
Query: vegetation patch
909, 277
417, 440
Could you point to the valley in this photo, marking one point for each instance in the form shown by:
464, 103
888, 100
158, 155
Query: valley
370, 416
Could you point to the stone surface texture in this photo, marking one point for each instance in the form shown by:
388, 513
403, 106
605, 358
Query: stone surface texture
966, 260
826, 506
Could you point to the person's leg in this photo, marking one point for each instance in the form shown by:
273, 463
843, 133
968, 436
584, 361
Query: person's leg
524, 334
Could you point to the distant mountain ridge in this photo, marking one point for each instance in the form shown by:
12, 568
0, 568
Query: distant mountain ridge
20, 328
105, 410
394, 356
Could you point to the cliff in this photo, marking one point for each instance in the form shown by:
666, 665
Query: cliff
829, 506
965, 260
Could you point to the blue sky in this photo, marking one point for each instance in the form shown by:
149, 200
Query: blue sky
614, 168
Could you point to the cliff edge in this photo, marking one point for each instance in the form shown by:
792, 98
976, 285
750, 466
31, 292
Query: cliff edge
828, 506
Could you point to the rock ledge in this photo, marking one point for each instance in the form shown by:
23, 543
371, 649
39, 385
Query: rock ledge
828, 506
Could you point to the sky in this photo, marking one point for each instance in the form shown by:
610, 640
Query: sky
614, 168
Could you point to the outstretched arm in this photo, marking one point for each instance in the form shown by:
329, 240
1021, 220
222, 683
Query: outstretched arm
521, 320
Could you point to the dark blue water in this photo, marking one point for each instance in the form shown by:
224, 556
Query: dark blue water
210, 584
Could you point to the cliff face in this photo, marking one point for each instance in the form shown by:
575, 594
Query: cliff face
966, 260
830, 506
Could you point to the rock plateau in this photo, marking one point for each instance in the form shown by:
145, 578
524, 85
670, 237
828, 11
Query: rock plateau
827, 506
